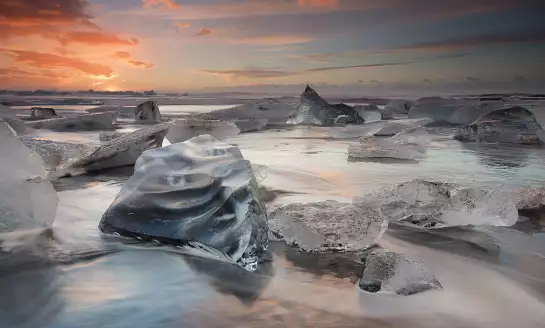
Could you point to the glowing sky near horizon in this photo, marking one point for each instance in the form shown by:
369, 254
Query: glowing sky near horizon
177, 45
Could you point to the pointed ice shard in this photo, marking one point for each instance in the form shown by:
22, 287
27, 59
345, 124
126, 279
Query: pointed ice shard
148, 112
314, 110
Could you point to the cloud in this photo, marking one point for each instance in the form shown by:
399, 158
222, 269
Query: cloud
260, 73
319, 3
17, 73
473, 79
52, 61
250, 73
96, 38
181, 25
272, 40
515, 37
127, 57
336, 68
168, 4
204, 31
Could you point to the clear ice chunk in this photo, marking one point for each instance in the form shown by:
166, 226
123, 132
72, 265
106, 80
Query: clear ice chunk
406, 145
395, 273
183, 130
198, 192
431, 205
327, 226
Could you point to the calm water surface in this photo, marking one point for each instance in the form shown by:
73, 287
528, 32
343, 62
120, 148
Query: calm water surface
492, 277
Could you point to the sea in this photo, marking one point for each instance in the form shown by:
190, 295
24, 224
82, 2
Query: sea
492, 277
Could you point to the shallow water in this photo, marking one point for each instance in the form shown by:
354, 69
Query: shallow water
492, 277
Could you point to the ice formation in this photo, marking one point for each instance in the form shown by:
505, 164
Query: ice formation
409, 144
40, 112
396, 107
395, 273
327, 226
121, 110
380, 129
28, 201
506, 125
148, 112
200, 193
270, 110
62, 158
7, 114
450, 111
183, 130
541, 135
314, 110
251, 124
97, 121
369, 113
429, 205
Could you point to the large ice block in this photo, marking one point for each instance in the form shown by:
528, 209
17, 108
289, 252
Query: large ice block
197, 193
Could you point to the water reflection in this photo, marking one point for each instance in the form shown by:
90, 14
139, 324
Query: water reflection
230, 279
500, 155
30, 298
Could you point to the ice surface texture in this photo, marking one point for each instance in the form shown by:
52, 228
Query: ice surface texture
183, 130
27, 201
314, 110
395, 273
506, 125
198, 192
327, 226
430, 205
406, 145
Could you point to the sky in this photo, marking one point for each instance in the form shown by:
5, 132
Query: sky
268, 45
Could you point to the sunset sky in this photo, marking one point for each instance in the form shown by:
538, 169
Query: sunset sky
179, 45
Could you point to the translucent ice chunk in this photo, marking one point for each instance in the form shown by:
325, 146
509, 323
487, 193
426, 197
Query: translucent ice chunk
327, 226
196, 192
27, 201
427, 204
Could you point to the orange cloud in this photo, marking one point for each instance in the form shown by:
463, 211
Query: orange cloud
95, 38
141, 64
127, 57
51, 61
170, 4
181, 25
204, 31
122, 55
318, 3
